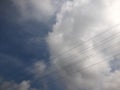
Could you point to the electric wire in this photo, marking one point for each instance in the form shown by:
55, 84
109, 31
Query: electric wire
79, 45
68, 65
87, 40
65, 65
99, 46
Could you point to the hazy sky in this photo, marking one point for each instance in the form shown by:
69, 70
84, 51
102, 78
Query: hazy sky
59, 44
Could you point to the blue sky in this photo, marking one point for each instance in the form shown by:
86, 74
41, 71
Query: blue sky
21, 44
45, 44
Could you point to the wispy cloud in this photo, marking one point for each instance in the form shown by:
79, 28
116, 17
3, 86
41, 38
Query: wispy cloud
36, 9
11, 85
38, 69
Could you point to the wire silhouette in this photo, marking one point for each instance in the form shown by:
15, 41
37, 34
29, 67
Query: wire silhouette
54, 70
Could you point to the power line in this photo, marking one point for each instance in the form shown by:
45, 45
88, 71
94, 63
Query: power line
64, 65
68, 65
91, 48
76, 47
87, 40
88, 67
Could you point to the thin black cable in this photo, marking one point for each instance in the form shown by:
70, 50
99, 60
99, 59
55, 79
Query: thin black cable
86, 41
64, 66
91, 48
89, 67
67, 65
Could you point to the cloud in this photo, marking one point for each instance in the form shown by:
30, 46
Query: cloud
38, 69
76, 23
112, 81
11, 85
35, 9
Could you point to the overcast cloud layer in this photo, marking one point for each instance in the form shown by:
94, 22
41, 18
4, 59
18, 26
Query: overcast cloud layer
76, 23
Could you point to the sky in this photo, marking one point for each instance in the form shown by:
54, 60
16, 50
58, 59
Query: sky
59, 44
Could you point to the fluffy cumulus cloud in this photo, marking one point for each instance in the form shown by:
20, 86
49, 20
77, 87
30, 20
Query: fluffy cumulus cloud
11, 85
84, 43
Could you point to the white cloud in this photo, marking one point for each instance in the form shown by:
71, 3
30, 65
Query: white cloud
78, 21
